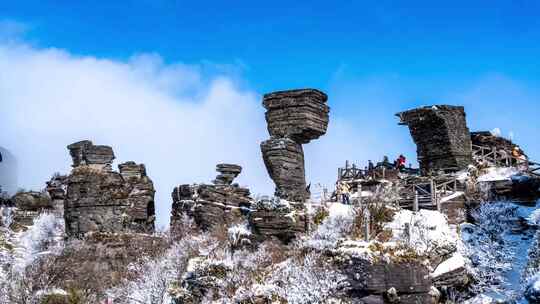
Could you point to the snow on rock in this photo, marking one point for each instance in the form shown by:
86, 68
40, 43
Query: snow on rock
428, 230
497, 174
452, 196
356, 249
481, 299
453, 263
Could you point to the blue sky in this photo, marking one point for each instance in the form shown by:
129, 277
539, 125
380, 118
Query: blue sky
282, 44
373, 58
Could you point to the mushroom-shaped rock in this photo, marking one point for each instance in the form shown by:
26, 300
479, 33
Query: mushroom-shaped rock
301, 115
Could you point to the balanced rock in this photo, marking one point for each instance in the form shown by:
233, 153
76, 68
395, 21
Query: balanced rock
284, 160
301, 115
442, 137
294, 118
227, 173
86, 153
101, 200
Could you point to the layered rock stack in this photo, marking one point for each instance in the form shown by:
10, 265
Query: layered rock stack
99, 199
294, 118
211, 205
86, 153
56, 187
442, 137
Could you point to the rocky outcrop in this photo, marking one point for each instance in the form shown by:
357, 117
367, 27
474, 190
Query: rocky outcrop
277, 218
442, 137
406, 282
219, 204
28, 206
98, 199
86, 153
56, 187
294, 118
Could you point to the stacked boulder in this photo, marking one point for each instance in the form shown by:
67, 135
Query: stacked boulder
442, 137
98, 199
294, 118
219, 204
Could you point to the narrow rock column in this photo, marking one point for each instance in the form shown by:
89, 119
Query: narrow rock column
294, 118
441, 135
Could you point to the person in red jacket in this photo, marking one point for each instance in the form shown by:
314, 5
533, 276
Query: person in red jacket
401, 161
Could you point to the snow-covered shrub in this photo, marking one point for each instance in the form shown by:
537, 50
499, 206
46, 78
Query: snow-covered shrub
334, 227
305, 279
485, 245
239, 235
150, 279
45, 236
378, 209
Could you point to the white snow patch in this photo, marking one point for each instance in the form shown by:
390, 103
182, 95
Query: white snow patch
340, 210
428, 229
494, 174
452, 196
453, 263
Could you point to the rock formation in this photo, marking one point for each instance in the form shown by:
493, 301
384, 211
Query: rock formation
86, 153
276, 218
101, 200
28, 206
221, 203
441, 135
294, 118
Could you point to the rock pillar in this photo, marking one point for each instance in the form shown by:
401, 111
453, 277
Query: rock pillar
294, 118
441, 135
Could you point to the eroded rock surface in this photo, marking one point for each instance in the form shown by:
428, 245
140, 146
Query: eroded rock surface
442, 137
212, 205
301, 115
101, 200
284, 160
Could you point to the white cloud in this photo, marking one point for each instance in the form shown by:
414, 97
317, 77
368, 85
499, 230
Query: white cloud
166, 116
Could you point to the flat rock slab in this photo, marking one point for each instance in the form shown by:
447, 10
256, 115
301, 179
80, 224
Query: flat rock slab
298, 114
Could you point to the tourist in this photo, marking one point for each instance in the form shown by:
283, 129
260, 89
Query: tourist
401, 161
345, 190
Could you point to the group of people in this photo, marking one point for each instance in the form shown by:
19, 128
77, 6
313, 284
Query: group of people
398, 164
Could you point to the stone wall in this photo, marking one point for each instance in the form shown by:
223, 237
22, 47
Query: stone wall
294, 118
98, 199
442, 137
